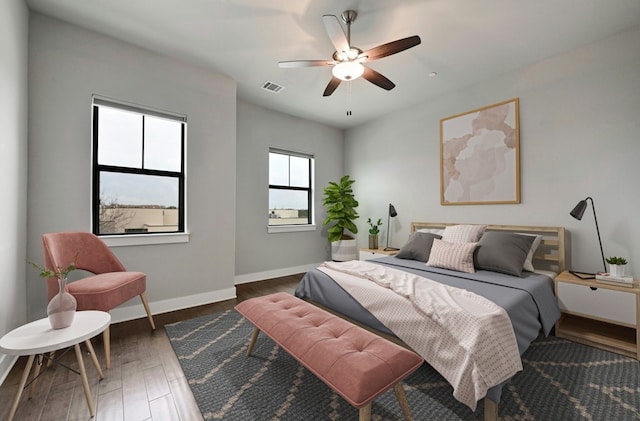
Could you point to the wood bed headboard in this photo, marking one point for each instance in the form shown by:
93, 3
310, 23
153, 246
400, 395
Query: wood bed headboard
550, 254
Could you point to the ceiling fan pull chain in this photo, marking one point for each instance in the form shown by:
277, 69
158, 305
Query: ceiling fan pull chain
349, 99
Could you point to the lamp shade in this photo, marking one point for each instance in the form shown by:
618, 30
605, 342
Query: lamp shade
392, 214
392, 211
348, 70
578, 211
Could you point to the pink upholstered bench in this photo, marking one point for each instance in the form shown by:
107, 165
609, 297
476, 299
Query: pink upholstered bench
354, 362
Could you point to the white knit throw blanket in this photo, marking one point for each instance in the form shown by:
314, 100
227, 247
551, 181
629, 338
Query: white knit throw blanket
467, 338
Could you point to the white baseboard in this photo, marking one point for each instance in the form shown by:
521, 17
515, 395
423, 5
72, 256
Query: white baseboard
6, 364
261, 276
122, 314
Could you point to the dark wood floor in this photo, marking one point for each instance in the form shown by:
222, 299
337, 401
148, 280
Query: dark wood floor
145, 381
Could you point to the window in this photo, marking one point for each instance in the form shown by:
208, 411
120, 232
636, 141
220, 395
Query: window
290, 189
138, 170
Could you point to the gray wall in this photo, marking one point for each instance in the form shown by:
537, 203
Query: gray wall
579, 137
69, 64
260, 255
14, 20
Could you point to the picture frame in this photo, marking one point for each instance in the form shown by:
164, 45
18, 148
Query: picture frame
480, 156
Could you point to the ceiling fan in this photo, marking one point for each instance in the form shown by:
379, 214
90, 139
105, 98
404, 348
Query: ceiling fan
348, 61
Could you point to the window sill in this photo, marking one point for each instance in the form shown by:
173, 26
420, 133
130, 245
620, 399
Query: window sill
274, 229
144, 239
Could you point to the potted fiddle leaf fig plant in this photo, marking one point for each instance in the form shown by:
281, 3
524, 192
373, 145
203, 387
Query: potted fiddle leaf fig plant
616, 265
373, 232
340, 204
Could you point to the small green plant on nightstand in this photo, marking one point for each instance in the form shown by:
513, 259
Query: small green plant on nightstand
616, 265
613, 260
373, 228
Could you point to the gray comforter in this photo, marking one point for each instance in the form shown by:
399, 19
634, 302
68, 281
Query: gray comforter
529, 301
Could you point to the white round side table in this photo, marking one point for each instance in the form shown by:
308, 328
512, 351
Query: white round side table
39, 338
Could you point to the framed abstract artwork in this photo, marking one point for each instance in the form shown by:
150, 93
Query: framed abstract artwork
480, 156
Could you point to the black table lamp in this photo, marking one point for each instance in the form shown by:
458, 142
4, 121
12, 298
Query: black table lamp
392, 214
577, 213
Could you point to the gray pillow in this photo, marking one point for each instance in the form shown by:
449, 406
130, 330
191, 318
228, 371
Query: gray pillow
418, 247
503, 252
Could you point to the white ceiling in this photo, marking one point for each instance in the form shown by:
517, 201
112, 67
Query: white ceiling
464, 41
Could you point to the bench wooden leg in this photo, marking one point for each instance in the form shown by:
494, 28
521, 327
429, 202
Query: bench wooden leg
490, 410
252, 342
402, 400
365, 412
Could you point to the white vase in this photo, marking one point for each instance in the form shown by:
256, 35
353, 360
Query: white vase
62, 307
344, 250
616, 270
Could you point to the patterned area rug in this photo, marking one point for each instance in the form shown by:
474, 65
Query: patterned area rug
561, 380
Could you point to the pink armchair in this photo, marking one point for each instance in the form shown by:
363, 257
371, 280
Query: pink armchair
108, 287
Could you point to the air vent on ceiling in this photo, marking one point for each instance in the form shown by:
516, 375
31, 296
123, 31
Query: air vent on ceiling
272, 87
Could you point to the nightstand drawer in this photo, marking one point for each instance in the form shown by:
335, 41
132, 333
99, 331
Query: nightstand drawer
603, 304
367, 254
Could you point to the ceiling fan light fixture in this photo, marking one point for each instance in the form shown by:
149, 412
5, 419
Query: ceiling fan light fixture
348, 70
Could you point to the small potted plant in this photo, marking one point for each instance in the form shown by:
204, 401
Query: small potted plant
616, 265
373, 232
62, 308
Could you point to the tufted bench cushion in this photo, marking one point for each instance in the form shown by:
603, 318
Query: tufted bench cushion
354, 362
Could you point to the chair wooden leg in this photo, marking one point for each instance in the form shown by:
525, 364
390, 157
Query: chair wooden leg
106, 338
143, 297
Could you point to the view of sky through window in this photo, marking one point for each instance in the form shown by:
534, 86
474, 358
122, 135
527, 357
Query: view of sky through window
286, 170
121, 144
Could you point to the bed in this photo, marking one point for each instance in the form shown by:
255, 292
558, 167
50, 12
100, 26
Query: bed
521, 287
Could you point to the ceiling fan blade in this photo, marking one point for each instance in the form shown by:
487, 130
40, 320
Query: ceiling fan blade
393, 47
333, 84
305, 63
336, 33
377, 79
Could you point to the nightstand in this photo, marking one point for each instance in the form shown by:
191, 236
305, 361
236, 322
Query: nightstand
366, 254
598, 314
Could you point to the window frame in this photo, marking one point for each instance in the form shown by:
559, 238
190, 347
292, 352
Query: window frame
136, 238
310, 225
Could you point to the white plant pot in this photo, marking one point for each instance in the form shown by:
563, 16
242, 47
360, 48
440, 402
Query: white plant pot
344, 250
616, 270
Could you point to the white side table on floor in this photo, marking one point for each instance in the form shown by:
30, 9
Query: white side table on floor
39, 338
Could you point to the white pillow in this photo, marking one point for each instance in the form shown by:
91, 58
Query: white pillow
528, 263
463, 233
454, 256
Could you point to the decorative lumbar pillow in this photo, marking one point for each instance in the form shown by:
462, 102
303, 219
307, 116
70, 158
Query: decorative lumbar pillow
463, 233
503, 252
454, 256
418, 247
528, 263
